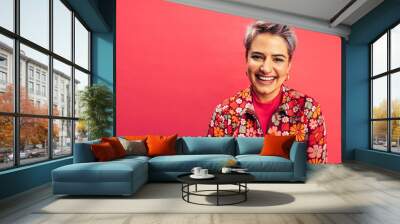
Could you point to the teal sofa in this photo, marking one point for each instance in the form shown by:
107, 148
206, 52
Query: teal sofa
125, 176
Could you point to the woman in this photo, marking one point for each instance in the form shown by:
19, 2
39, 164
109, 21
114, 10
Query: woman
268, 106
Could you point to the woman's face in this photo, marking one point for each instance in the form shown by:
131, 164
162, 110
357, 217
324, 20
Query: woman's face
268, 65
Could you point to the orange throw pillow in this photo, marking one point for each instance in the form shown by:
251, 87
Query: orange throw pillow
277, 145
103, 152
161, 145
116, 145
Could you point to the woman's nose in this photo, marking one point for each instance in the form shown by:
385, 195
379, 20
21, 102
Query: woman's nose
266, 66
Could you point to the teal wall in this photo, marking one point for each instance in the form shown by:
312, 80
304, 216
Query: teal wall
24, 178
356, 62
103, 49
103, 61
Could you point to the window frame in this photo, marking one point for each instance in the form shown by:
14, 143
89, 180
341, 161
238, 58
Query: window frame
16, 114
388, 74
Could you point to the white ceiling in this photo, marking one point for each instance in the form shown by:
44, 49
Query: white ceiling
327, 16
320, 9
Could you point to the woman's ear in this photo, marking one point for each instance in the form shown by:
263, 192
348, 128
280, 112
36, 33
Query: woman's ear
288, 71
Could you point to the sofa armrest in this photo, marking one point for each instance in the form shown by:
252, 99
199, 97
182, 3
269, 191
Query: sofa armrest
298, 157
83, 152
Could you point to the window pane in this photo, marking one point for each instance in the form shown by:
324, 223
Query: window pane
395, 47
62, 29
395, 136
81, 81
35, 21
379, 98
379, 135
395, 94
81, 131
7, 14
6, 142
6, 74
81, 45
34, 78
33, 140
62, 89
62, 138
379, 55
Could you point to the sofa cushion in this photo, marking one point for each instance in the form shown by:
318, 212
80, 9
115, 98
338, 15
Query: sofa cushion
134, 147
103, 151
132, 158
277, 145
83, 152
207, 145
112, 171
249, 145
116, 145
257, 163
161, 145
185, 163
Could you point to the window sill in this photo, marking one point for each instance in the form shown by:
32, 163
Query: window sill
26, 167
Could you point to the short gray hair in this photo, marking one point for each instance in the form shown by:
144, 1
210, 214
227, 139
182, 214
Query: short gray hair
261, 27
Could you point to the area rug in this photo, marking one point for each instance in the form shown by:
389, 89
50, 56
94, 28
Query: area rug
167, 198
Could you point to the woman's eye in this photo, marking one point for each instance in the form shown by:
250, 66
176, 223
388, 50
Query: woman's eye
256, 57
278, 60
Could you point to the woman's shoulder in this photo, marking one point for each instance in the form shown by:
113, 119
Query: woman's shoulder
239, 99
295, 98
293, 94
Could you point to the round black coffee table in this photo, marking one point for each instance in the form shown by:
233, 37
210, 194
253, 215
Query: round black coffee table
238, 179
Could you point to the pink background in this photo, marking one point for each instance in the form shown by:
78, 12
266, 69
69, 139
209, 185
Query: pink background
175, 63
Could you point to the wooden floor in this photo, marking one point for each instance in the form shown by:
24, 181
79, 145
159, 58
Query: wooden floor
377, 188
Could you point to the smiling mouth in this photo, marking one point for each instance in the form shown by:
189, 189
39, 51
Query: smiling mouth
265, 78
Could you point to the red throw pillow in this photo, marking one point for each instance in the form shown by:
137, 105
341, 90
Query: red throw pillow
161, 145
277, 145
103, 152
116, 145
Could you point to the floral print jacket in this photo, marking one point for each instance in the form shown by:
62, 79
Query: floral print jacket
297, 114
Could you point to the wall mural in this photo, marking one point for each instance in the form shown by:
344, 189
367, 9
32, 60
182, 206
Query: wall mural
195, 72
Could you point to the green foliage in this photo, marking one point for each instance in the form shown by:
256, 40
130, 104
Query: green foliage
380, 127
97, 104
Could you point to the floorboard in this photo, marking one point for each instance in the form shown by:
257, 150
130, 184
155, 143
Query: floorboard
377, 188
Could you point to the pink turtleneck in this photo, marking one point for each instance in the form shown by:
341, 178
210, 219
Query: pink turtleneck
264, 111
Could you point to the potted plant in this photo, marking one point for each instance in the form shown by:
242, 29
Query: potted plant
96, 102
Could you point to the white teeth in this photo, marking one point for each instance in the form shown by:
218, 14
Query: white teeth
265, 78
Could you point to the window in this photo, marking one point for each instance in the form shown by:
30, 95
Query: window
3, 61
38, 89
81, 45
37, 74
385, 96
62, 74
62, 29
44, 131
34, 22
6, 73
30, 87
43, 90
6, 142
7, 14
3, 72
30, 72
3, 78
